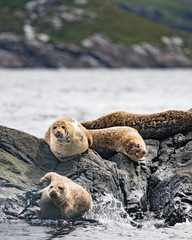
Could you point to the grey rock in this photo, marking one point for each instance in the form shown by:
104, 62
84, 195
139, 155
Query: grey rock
161, 184
34, 49
170, 187
81, 2
24, 159
8, 59
137, 55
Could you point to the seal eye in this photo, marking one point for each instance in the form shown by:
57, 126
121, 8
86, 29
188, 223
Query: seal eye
63, 127
51, 186
60, 188
54, 127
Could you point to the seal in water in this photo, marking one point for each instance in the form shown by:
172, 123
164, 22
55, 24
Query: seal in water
63, 198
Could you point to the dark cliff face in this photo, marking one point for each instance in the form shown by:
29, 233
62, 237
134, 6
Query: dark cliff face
163, 185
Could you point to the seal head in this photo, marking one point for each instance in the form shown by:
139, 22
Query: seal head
57, 191
67, 138
134, 150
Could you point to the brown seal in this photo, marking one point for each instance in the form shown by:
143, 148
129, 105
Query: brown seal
66, 138
127, 140
155, 126
63, 198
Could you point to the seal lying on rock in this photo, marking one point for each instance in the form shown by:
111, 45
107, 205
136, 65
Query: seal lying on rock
63, 198
127, 140
154, 126
66, 138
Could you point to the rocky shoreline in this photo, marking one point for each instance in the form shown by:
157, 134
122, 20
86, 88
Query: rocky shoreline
97, 51
163, 185
39, 39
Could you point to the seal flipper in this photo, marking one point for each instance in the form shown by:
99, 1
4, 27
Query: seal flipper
38, 213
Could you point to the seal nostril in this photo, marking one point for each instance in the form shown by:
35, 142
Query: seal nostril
58, 134
53, 194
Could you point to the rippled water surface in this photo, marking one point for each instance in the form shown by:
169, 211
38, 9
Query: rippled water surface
103, 231
31, 99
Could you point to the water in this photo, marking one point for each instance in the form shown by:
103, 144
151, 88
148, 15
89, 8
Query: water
108, 231
31, 99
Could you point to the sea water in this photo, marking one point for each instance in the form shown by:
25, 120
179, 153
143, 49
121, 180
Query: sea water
30, 100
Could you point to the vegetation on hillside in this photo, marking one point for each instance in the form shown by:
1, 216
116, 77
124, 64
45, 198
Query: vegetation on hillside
111, 20
100, 16
177, 13
10, 20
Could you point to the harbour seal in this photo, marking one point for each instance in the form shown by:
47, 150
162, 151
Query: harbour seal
63, 198
66, 138
154, 126
127, 140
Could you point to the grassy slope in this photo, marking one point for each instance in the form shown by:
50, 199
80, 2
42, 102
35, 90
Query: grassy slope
8, 20
172, 9
115, 22
176, 5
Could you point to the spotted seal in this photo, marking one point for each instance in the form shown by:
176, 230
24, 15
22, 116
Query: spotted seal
155, 126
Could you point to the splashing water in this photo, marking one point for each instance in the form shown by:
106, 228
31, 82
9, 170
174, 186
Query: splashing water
108, 208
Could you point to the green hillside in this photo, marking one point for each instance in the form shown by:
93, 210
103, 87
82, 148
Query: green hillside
100, 16
9, 21
177, 13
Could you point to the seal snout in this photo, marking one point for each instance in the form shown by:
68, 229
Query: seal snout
137, 152
53, 194
59, 134
140, 153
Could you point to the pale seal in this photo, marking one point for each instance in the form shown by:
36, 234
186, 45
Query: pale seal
155, 125
127, 140
63, 198
66, 138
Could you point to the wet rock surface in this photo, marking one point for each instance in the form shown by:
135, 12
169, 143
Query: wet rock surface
170, 186
163, 185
